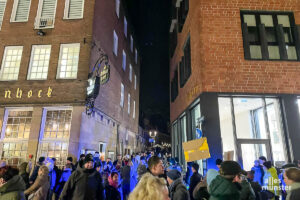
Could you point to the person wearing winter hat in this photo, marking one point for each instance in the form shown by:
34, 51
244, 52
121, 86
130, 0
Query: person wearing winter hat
195, 179
70, 161
177, 189
35, 171
84, 183
230, 184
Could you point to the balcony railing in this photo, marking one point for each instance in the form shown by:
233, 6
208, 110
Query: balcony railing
44, 22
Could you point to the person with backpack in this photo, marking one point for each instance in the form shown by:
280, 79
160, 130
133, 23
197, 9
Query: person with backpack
177, 189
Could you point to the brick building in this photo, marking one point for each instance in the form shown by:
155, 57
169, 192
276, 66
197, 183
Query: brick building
47, 48
234, 74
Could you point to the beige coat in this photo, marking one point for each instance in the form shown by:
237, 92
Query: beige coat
39, 189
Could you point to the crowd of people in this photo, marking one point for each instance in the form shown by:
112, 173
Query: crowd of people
145, 176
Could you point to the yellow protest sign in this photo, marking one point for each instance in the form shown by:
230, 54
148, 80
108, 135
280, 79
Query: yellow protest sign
196, 149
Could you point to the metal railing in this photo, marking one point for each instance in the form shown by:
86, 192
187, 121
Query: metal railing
44, 22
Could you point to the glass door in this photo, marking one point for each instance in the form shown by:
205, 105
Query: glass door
251, 150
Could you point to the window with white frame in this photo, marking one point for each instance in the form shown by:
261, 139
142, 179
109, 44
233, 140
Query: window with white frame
130, 72
124, 61
74, 9
39, 62
136, 56
15, 134
2, 10
68, 61
125, 26
128, 104
131, 43
122, 95
11, 63
115, 43
54, 140
118, 7
46, 14
20, 11
135, 82
133, 115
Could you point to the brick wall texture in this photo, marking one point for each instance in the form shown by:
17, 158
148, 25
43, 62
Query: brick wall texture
217, 53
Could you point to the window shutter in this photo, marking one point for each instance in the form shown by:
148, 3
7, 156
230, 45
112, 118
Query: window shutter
75, 9
48, 9
264, 43
22, 10
281, 42
2, 9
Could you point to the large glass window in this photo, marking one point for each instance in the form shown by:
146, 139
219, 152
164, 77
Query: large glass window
11, 63
249, 118
17, 124
39, 62
226, 126
257, 123
56, 133
68, 61
276, 130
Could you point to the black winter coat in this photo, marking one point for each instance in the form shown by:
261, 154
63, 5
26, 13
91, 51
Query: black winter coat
194, 180
178, 191
83, 184
112, 193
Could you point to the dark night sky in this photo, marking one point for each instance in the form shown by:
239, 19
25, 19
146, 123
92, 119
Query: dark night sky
150, 19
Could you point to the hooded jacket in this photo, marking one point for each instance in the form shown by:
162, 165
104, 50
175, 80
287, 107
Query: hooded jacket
178, 191
223, 189
13, 189
83, 184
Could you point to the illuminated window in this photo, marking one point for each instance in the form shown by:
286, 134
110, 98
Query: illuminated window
136, 56
11, 63
115, 50
118, 8
124, 61
17, 124
68, 61
135, 82
128, 104
122, 95
130, 72
131, 43
54, 141
39, 62
133, 115
125, 26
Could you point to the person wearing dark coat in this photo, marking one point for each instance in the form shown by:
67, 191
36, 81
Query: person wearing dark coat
81, 158
200, 192
85, 183
177, 189
70, 161
125, 175
230, 184
195, 179
111, 187
35, 171
23, 173
12, 185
